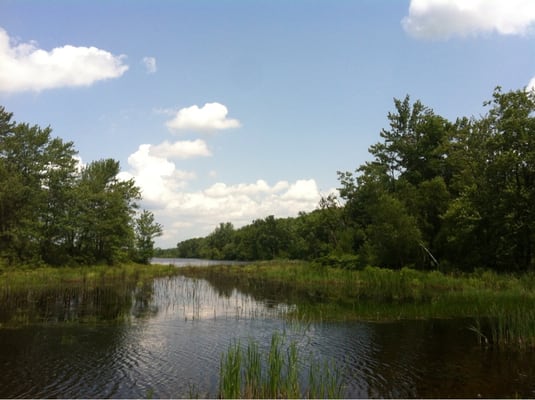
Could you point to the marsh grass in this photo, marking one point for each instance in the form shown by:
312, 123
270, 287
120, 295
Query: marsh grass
81, 294
506, 327
279, 373
324, 293
502, 305
15, 278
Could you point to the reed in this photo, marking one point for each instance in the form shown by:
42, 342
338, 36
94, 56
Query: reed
231, 372
16, 278
275, 374
324, 382
325, 293
506, 327
79, 294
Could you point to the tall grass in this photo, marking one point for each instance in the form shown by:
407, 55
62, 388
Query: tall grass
506, 301
279, 373
506, 327
16, 278
78, 294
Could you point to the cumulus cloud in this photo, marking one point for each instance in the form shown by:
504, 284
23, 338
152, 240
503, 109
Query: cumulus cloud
210, 117
25, 67
150, 64
157, 177
531, 84
183, 149
442, 19
191, 213
186, 213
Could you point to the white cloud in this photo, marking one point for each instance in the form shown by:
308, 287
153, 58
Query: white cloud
24, 67
210, 117
150, 64
187, 213
442, 19
531, 84
302, 190
190, 213
157, 177
183, 149
80, 165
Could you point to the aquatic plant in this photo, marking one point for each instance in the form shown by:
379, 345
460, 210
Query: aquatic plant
325, 293
82, 294
276, 374
512, 327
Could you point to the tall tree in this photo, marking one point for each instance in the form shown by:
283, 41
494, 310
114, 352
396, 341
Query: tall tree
105, 210
501, 189
146, 230
39, 171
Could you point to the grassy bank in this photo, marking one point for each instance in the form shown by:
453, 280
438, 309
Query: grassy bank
323, 293
78, 294
19, 278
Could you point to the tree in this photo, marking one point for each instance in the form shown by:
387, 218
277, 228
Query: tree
53, 212
105, 208
499, 182
146, 230
416, 143
37, 174
393, 236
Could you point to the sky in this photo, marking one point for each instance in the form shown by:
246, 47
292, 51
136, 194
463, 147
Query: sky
231, 111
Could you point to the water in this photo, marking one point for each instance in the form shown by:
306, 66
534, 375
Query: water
195, 262
169, 337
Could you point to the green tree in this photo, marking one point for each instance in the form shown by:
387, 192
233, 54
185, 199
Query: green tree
416, 143
105, 210
221, 242
37, 174
393, 237
146, 230
499, 183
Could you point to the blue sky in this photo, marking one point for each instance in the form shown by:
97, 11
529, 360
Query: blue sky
235, 110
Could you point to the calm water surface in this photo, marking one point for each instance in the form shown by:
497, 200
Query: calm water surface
169, 342
196, 262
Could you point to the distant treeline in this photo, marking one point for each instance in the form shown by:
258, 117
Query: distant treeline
54, 211
437, 193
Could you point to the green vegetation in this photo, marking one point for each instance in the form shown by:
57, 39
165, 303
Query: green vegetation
276, 374
17, 278
501, 303
81, 294
54, 212
438, 194
507, 327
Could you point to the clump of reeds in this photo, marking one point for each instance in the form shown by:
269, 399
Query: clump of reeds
506, 327
277, 374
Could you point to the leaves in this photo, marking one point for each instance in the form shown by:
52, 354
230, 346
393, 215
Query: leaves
50, 211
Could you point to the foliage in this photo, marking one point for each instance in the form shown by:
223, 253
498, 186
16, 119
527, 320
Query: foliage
437, 193
53, 211
146, 230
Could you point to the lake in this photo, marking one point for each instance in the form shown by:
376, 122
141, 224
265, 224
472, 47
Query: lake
165, 339
196, 262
